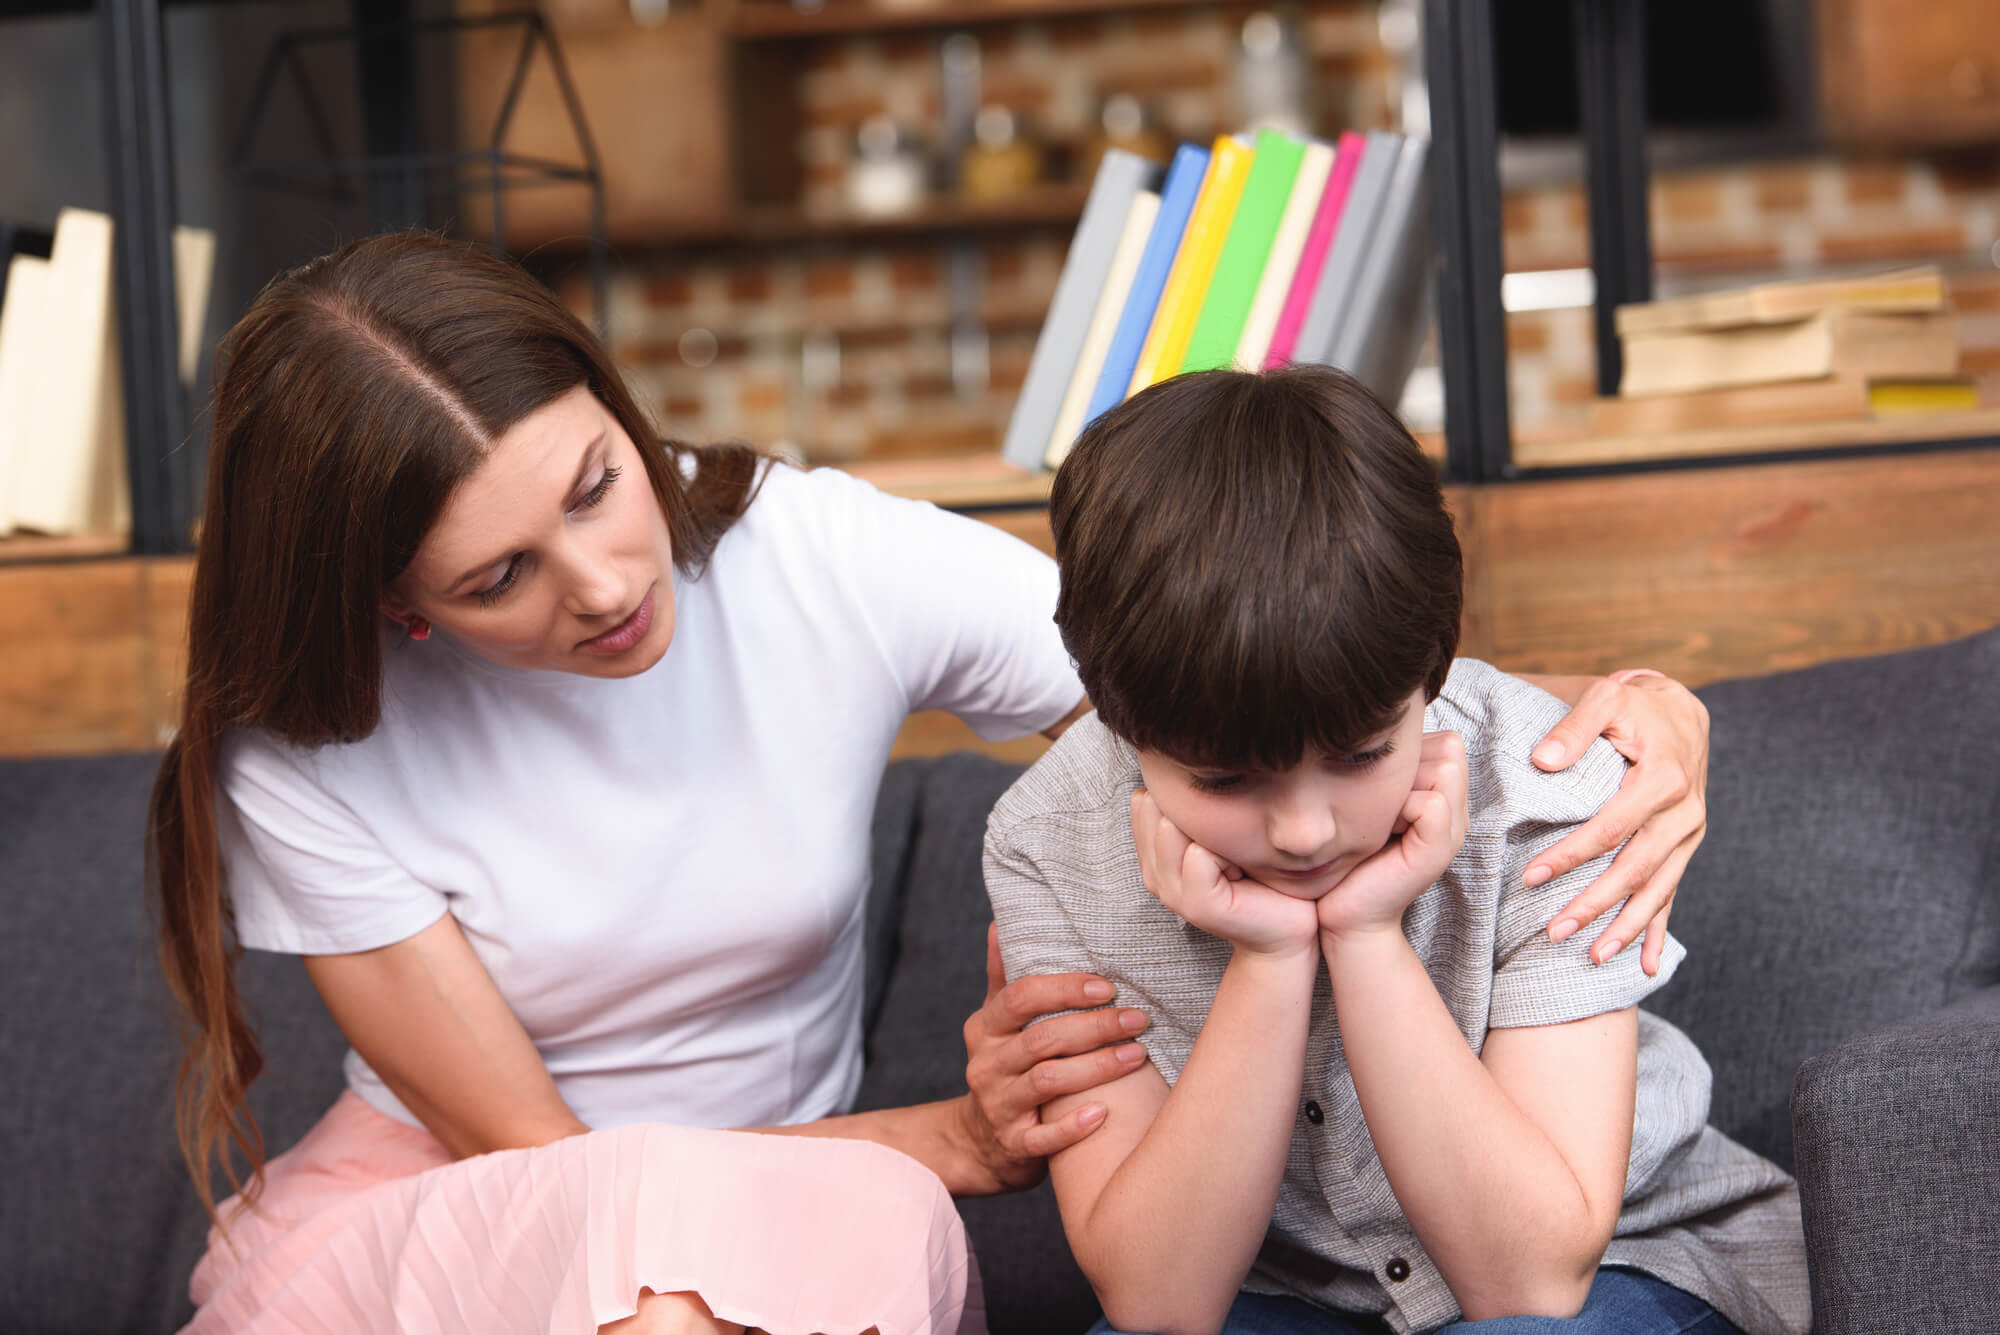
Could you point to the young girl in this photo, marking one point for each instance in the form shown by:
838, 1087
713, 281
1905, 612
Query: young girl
1296, 832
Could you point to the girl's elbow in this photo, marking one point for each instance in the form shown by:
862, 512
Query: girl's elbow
1148, 1314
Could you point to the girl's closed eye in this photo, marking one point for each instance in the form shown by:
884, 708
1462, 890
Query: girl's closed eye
1218, 783
1364, 759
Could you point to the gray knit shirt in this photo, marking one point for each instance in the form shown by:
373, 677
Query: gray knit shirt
1701, 1212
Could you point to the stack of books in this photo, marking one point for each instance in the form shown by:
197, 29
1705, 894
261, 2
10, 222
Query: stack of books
62, 400
1253, 253
1810, 351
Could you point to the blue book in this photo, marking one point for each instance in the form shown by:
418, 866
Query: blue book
1177, 196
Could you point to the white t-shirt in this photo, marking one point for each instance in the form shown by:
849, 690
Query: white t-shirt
666, 875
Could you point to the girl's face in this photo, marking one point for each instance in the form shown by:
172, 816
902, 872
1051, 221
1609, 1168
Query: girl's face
554, 554
1299, 830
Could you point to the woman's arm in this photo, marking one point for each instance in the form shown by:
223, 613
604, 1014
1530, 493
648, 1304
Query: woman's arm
1510, 1166
426, 1016
997, 1137
1658, 725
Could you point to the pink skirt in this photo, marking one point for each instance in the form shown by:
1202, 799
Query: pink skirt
369, 1225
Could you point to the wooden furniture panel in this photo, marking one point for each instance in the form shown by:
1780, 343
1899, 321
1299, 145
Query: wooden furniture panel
1733, 571
1910, 71
73, 671
654, 97
1705, 574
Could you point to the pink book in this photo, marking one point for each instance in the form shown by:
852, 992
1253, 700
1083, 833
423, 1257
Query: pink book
1346, 157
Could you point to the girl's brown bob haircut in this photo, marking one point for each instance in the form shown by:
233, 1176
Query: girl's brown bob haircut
1254, 566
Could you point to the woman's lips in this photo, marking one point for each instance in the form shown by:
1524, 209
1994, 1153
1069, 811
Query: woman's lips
626, 633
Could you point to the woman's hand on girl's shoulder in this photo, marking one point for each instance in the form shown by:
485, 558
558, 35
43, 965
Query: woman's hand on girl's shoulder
1661, 808
1014, 1066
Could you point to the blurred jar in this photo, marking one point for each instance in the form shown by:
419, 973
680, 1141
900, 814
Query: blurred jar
886, 175
1001, 161
1124, 122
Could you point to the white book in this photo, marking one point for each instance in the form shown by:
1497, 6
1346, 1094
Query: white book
68, 475
1283, 262
194, 274
21, 319
1103, 324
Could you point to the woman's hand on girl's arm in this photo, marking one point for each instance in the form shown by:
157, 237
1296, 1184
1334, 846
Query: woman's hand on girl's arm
993, 1139
1658, 725
1012, 1069
427, 1017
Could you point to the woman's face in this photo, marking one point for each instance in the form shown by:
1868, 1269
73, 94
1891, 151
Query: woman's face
554, 554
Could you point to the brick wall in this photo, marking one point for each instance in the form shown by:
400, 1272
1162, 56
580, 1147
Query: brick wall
841, 351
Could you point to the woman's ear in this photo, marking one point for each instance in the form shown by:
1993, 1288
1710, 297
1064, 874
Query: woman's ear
400, 612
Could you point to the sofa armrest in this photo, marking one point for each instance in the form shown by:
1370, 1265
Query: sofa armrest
1898, 1143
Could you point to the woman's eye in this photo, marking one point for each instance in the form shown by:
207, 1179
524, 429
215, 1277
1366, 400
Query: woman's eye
597, 493
491, 595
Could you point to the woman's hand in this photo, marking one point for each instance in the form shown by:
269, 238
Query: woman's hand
1430, 827
1012, 1069
1210, 894
1658, 725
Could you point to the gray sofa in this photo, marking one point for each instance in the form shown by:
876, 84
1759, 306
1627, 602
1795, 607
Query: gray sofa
1843, 924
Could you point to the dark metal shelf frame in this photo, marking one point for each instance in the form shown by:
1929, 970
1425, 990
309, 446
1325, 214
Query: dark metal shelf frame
1472, 331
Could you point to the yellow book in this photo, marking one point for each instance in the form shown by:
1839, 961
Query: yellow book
1194, 264
1898, 398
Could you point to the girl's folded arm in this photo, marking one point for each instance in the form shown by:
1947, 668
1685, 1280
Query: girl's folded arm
1509, 1165
1168, 1202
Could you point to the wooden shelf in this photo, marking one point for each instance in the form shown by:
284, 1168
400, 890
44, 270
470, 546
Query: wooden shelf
1041, 206
766, 21
969, 482
24, 548
1590, 450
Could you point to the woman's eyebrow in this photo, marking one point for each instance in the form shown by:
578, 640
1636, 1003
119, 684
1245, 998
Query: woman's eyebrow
582, 468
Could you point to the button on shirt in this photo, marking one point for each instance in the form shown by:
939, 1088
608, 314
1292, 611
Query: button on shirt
1068, 896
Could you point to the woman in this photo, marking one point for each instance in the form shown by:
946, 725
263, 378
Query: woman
552, 752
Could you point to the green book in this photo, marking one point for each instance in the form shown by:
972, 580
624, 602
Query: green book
1231, 292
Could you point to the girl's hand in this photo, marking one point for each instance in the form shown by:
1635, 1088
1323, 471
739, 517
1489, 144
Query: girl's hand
1431, 827
672, 1314
1012, 1070
1212, 895
1658, 725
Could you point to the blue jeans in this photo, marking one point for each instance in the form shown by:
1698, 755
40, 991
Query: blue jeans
1621, 1302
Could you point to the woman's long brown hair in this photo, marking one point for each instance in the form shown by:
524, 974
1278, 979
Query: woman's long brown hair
354, 395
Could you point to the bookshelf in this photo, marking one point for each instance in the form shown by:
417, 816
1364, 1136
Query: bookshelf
1459, 56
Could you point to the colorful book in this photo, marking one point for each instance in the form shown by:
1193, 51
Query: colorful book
1347, 155
1239, 267
1120, 176
1177, 199
1097, 338
1180, 304
1382, 330
1308, 190
1350, 247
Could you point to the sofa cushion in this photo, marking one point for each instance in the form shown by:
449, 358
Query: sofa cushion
1851, 874
916, 1049
99, 1223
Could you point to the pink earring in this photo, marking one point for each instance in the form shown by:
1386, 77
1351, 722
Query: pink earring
419, 628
